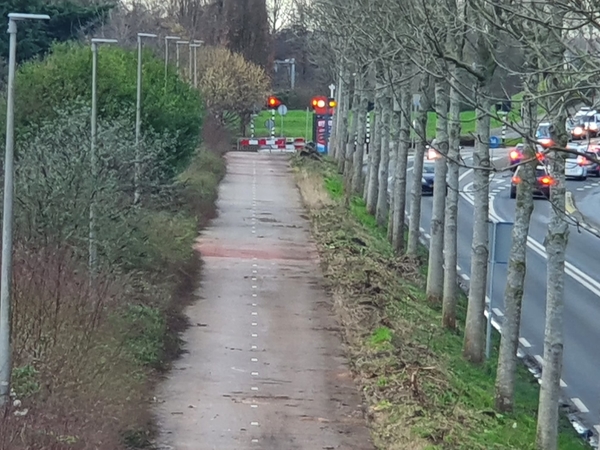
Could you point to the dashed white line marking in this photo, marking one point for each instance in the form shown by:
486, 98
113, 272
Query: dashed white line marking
427, 235
579, 404
254, 313
254, 271
253, 304
254, 374
465, 277
253, 231
254, 287
595, 184
254, 324
253, 406
253, 278
597, 427
587, 187
562, 383
254, 359
253, 295
498, 312
458, 268
254, 424
422, 230
254, 388
580, 189
254, 265
254, 347
524, 342
539, 359
254, 335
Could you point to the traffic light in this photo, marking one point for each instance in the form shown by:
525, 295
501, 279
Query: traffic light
273, 102
318, 102
332, 103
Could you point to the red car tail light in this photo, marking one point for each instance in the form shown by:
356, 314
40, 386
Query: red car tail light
516, 179
581, 160
514, 155
547, 180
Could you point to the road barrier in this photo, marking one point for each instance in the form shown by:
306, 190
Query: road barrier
282, 144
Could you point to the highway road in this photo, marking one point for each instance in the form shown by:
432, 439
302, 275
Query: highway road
580, 379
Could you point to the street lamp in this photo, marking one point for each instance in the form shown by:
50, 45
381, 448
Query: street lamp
92, 237
7, 222
196, 44
138, 117
177, 44
167, 39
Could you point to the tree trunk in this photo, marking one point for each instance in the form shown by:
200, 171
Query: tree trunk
435, 267
400, 170
375, 154
450, 229
474, 342
359, 113
333, 138
371, 118
395, 146
381, 212
556, 245
414, 223
515, 278
342, 128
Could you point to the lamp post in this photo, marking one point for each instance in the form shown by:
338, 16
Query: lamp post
7, 222
177, 44
138, 118
196, 44
167, 39
93, 247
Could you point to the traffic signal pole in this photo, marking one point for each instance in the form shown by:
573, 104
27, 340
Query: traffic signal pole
273, 120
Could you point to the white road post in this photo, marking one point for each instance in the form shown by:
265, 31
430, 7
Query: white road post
196, 44
93, 246
177, 44
167, 39
138, 118
8, 216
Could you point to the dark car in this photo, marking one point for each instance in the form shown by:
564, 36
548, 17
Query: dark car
542, 186
516, 155
428, 177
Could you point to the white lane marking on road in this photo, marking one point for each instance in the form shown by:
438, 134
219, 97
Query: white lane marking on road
524, 342
587, 186
253, 304
255, 424
254, 295
254, 265
579, 404
427, 235
539, 359
597, 427
595, 184
422, 230
580, 189
575, 273
562, 383
465, 277
254, 359
254, 347
253, 231
253, 287
254, 388
254, 374
253, 278
254, 335
253, 406
254, 324
498, 312
254, 313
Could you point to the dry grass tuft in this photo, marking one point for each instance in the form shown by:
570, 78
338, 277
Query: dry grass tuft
314, 195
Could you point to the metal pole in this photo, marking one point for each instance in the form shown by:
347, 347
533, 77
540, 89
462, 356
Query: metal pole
273, 120
138, 120
293, 74
177, 55
307, 120
196, 67
488, 337
7, 223
281, 132
190, 62
92, 233
166, 60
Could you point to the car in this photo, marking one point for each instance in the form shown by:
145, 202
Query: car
542, 135
542, 185
574, 167
428, 177
515, 156
586, 126
593, 149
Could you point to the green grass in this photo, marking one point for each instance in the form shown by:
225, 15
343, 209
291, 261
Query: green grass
454, 407
294, 124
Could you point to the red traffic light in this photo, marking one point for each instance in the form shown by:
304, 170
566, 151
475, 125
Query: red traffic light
273, 102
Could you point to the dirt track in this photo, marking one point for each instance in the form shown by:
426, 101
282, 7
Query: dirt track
264, 367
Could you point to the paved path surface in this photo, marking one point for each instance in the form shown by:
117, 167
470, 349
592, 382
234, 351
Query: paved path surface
264, 366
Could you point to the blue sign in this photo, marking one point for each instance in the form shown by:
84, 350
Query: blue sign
494, 141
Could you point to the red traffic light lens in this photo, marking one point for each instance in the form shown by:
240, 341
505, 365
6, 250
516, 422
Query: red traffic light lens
273, 102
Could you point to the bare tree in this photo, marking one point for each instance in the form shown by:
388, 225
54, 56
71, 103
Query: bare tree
381, 212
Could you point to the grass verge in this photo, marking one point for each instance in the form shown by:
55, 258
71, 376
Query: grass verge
420, 393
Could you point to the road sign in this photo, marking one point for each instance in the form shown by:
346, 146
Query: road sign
282, 110
494, 141
269, 124
331, 89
